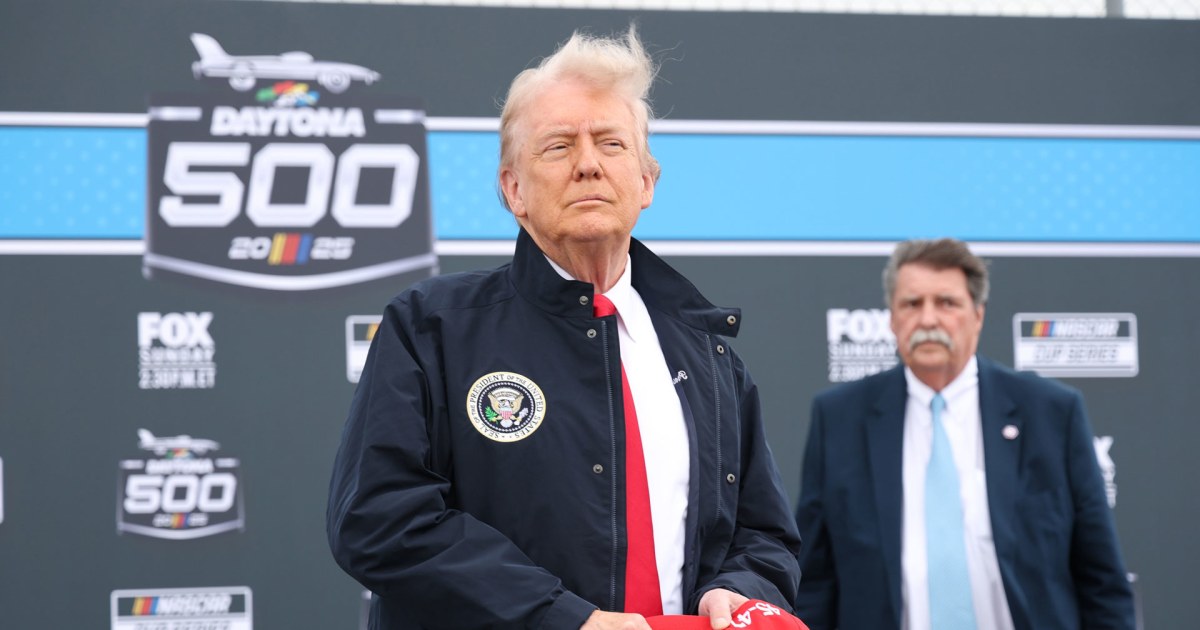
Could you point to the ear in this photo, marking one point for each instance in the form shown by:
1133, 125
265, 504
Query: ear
979, 312
510, 187
647, 190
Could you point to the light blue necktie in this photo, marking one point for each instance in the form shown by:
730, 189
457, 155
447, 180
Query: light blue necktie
950, 606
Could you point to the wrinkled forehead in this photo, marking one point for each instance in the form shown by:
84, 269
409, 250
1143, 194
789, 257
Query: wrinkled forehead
921, 279
543, 112
550, 129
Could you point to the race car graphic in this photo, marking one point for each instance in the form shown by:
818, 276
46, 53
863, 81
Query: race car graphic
243, 71
160, 445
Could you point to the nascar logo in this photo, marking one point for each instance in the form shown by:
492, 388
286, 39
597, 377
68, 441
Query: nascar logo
1076, 328
360, 332
181, 604
1076, 344
227, 607
291, 248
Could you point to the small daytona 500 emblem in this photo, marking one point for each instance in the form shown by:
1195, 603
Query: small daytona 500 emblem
505, 407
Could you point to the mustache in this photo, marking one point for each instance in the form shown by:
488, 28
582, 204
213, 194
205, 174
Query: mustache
935, 335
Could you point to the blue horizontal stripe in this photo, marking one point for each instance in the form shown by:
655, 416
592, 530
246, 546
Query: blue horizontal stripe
72, 182
91, 183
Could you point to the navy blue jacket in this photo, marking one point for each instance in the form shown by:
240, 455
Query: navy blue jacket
1051, 524
451, 528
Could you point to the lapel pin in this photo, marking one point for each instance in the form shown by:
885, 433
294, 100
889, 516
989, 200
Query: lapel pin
1010, 432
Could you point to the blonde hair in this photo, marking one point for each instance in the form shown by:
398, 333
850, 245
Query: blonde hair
621, 66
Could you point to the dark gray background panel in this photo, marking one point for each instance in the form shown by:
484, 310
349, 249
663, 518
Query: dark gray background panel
71, 407
105, 56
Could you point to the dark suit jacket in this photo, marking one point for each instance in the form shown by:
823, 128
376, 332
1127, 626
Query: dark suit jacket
1051, 523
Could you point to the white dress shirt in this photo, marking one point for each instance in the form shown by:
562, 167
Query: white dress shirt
664, 434
963, 428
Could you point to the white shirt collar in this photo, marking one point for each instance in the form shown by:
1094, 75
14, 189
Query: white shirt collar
966, 380
623, 296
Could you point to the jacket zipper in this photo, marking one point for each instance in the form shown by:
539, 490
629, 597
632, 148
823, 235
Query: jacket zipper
612, 432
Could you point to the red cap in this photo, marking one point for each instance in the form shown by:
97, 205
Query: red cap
754, 614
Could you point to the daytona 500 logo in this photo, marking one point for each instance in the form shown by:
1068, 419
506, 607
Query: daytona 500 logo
287, 187
177, 491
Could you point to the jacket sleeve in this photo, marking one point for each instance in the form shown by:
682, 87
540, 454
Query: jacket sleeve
389, 520
1101, 585
761, 562
817, 601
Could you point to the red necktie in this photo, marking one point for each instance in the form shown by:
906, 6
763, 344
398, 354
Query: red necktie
641, 569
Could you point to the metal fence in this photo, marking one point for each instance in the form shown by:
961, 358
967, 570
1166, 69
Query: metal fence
1150, 9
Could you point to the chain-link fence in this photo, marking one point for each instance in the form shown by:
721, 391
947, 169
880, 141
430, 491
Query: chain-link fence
1155, 9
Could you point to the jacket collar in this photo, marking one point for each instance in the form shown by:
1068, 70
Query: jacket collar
662, 289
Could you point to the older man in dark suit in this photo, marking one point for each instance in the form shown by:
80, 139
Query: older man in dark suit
951, 492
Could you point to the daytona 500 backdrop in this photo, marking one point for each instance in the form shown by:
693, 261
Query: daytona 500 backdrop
205, 205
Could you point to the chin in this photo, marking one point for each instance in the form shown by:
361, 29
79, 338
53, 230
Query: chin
928, 360
596, 232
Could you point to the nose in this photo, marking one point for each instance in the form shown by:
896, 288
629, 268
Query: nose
587, 161
928, 315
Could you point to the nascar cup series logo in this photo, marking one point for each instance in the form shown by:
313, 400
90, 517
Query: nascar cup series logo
219, 608
176, 492
861, 343
288, 181
506, 407
1076, 344
360, 331
176, 351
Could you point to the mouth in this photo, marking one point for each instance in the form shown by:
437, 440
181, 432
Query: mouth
589, 199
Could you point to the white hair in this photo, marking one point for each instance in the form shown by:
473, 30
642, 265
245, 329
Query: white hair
621, 66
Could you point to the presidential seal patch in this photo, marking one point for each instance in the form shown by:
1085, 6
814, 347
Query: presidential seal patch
506, 407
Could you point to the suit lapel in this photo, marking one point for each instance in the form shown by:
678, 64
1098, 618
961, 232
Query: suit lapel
1003, 433
885, 442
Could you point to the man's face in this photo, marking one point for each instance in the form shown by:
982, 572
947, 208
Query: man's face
936, 323
576, 175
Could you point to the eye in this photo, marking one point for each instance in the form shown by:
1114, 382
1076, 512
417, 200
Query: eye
555, 151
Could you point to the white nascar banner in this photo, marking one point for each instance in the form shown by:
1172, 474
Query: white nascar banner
1076, 344
212, 608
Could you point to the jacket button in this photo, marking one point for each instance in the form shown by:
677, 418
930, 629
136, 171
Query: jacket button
583, 299
730, 478
597, 469
731, 320
720, 349
591, 333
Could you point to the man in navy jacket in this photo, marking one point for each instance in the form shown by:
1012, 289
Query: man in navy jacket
481, 480
1034, 527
